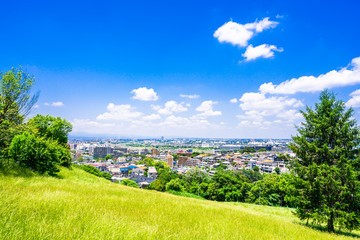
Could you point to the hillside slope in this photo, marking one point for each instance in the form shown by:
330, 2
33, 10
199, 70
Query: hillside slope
78, 205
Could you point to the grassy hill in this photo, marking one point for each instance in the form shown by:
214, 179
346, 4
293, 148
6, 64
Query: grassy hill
77, 205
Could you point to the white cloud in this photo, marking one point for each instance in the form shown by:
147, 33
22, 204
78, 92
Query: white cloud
119, 112
234, 100
92, 127
170, 107
240, 34
261, 51
145, 94
344, 77
54, 104
189, 96
258, 101
354, 101
279, 16
206, 109
264, 112
151, 117
179, 122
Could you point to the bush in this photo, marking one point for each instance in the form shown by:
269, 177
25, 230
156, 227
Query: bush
130, 183
38, 154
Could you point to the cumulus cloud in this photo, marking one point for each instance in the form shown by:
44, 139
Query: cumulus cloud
240, 34
145, 94
354, 101
234, 100
170, 107
54, 104
261, 51
344, 77
206, 109
122, 112
92, 127
151, 117
258, 108
189, 96
258, 101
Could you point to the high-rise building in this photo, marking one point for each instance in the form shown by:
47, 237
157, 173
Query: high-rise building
170, 161
101, 152
155, 152
182, 161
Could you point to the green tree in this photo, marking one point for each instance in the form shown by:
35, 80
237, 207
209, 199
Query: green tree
277, 170
175, 185
328, 165
37, 153
130, 183
107, 157
15, 104
55, 128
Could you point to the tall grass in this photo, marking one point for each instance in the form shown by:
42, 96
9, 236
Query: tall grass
78, 205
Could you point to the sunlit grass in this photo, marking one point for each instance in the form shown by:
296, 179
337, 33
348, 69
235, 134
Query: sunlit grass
78, 205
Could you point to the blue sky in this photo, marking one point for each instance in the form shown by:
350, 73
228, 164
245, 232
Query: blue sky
128, 68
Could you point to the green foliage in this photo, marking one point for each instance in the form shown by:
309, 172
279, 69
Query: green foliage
107, 157
15, 103
130, 183
175, 185
247, 150
277, 170
106, 175
194, 154
262, 150
88, 207
328, 168
37, 153
94, 171
55, 128
269, 190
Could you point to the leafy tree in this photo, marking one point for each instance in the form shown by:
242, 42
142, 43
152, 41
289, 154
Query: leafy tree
328, 165
247, 150
15, 103
39, 154
107, 157
130, 183
106, 175
55, 129
277, 170
48, 126
256, 169
175, 185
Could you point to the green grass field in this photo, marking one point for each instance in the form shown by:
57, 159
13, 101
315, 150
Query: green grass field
77, 205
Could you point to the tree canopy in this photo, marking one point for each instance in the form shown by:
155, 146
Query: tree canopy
328, 164
15, 104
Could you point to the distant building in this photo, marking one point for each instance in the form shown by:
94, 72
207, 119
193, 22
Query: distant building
182, 161
101, 152
155, 152
119, 151
152, 173
192, 162
170, 161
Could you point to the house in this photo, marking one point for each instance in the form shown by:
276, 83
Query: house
152, 173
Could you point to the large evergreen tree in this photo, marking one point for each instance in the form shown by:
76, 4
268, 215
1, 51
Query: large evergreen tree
328, 166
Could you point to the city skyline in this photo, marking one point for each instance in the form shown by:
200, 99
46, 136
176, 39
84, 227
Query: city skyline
229, 70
